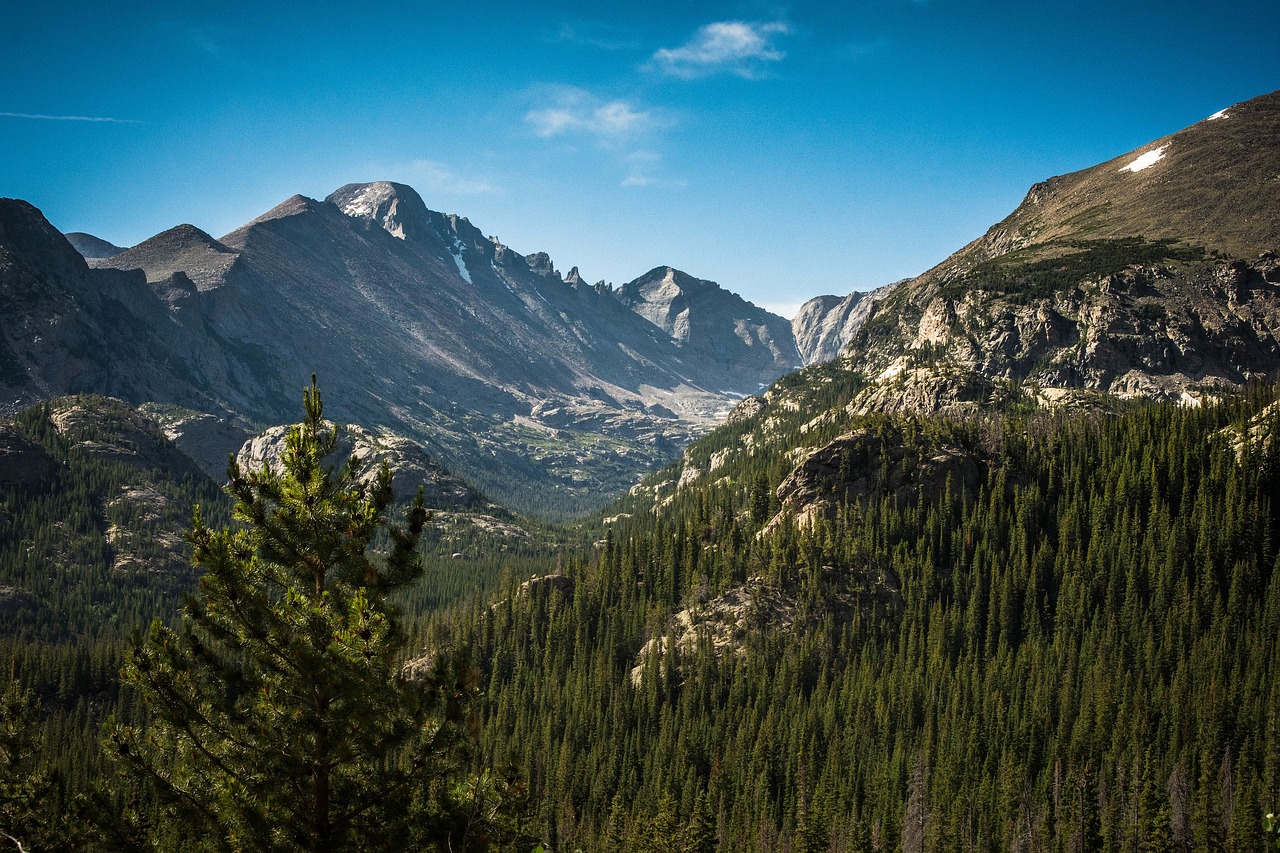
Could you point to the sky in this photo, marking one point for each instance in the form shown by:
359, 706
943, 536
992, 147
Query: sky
782, 150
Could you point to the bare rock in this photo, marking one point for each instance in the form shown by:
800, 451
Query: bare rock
411, 466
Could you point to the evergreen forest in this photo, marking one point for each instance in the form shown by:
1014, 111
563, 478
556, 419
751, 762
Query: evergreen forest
1070, 642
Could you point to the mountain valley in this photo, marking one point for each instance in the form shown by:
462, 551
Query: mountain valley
524, 381
984, 559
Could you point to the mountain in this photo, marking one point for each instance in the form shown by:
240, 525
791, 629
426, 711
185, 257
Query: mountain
547, 393
706, 319
1083, 297
1153, 274
184, 253
91, 247
951, 589
825, 324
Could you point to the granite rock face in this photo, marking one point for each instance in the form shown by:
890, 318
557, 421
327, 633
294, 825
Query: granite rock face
411, 466
707, 320
825, 324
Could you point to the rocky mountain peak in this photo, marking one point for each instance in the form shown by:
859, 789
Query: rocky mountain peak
182, 249
541, 264
27, 236
292, 206
661, 296
90, 246
471, 237
702, 315
396, 207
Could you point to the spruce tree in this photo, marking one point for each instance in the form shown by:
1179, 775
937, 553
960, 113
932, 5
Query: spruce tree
281, 717
27, 809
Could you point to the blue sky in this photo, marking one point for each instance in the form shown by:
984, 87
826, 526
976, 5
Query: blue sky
784, 150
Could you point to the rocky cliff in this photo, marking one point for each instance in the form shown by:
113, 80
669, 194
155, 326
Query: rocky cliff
825, 324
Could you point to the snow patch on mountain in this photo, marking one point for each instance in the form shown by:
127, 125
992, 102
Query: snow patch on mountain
1219, 114
456, 254
1146, 160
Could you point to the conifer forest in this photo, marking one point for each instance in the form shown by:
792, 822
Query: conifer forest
1068, 644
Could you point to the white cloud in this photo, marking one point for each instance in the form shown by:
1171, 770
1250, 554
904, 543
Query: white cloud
616, 128
728, 47
575, 110
437, 177
431, 177
71, 118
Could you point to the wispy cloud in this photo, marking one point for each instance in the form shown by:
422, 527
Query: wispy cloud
433, 176
644, 169
625, 132
596, 34
739, 48
573, 110
42, 117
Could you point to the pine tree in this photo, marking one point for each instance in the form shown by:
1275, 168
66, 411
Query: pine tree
700, 831
280, 715
27, 812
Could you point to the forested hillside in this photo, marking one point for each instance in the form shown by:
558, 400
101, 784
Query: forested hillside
93, 504
1078, 652
1036, 630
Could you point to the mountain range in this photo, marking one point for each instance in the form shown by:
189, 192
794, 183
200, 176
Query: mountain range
1153, 274
545, 391
955, 583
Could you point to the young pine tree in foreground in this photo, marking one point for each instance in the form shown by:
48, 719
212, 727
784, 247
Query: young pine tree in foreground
280, 715
27, 792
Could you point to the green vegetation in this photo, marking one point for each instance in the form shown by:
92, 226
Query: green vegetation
280, 716
1078, 654
1073, 646
30, 800
1073, 261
